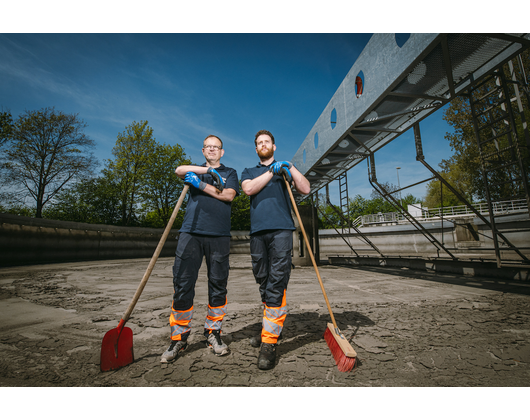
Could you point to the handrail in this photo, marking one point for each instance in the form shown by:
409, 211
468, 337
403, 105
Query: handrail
499, 207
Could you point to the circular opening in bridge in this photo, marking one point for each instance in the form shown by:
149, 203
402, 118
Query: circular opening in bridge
316, 140
401, 39
304, 156
333, 119
359, 84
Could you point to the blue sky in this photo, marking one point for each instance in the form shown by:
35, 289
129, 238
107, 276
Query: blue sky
190, 85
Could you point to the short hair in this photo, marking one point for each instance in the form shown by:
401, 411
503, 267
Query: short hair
211, 135
260, 132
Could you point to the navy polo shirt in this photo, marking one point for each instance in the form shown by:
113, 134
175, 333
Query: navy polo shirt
206, 215
270, 209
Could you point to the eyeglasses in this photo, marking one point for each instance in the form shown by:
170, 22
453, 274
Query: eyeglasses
211, 146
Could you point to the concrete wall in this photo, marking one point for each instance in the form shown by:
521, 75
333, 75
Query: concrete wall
26, 240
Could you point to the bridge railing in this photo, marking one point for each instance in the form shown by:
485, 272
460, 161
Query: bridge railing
499, 207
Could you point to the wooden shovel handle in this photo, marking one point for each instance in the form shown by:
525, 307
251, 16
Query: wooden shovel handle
155, 255
295, 208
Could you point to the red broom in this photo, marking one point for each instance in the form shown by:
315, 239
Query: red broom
342, 351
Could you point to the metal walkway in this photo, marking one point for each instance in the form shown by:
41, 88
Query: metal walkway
395, 83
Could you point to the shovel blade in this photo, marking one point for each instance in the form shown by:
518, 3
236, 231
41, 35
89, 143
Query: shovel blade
116, 349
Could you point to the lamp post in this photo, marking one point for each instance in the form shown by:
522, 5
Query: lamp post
399, 187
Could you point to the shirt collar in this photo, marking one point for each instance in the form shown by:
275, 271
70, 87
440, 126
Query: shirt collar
261, 165
221, 166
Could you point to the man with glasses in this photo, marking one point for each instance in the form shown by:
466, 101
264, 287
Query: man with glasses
271, 238
205, 233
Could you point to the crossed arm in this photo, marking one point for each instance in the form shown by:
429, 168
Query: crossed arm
254, 186
227, 194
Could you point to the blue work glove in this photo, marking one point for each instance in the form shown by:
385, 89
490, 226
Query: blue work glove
276, 167
282, 168
193, 180
217, 179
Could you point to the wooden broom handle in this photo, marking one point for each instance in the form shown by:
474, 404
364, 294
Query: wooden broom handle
310, 251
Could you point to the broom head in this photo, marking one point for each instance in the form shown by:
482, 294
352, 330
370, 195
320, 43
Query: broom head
342, 351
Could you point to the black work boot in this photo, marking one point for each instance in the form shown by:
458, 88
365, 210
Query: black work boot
267, 356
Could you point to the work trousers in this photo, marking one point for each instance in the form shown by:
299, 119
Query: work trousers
271, 265
191, 250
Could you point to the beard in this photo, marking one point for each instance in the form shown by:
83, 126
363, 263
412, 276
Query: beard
266, 154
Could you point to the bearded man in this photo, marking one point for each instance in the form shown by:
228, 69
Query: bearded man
271, 238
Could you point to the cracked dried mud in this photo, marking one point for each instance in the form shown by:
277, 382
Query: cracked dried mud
409, 328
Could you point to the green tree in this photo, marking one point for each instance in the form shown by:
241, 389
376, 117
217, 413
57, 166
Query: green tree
161, 188
17, 209
466, 159
128, 171
46, 151
357, 206
240, 217
457, 178
91, 200
328, 218
6, 126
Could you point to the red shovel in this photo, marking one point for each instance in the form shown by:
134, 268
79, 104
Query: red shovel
117, 345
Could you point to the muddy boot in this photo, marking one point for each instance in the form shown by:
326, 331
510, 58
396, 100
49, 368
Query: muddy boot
267, 356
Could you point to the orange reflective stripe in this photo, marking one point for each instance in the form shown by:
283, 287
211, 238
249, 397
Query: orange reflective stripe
215, 317
180, 317
273, 319
273, 313
179, 321
267, 337
222, 306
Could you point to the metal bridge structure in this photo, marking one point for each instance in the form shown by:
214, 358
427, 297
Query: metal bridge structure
400, 79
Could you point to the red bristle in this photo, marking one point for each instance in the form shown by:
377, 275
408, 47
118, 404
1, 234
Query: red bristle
344, 363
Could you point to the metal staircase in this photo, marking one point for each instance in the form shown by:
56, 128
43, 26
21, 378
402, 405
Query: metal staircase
343, 193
